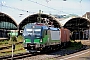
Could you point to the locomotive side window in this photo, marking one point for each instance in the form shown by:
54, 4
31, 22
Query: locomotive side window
42, 33
46, 32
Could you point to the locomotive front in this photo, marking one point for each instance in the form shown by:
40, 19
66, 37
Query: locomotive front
32, 37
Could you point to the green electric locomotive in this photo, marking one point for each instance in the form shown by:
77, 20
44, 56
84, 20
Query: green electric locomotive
40, 37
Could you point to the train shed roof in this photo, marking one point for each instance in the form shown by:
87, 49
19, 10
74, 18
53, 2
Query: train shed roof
5, 20
33, 18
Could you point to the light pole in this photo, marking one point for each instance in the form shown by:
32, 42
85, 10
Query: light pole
39, 16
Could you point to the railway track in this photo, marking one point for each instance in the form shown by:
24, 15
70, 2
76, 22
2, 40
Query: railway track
82, 55
27, 56
17, 56
52, 55
8, 46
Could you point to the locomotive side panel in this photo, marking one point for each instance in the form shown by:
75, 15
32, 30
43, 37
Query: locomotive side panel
55, 37
51, 38
44, 37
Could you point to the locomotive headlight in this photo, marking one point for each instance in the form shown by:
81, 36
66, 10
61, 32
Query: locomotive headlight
40, 40
24, 40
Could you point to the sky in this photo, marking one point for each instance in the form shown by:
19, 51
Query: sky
20, 9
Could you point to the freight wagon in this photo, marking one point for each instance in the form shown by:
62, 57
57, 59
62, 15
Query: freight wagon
40, 37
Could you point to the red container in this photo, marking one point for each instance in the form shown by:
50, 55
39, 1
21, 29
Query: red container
65, 35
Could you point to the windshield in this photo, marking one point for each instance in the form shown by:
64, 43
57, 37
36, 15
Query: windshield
37, 31
34, 31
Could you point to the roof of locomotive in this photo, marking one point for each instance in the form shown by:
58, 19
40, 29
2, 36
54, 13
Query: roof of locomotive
53, 28
50, 28
40, 25
34, 25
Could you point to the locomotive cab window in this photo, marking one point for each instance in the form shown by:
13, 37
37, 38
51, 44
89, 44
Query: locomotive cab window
29, 31
37, 31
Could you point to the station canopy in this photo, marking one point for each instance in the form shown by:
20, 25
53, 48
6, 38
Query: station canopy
6, 22
34, 18
78, 24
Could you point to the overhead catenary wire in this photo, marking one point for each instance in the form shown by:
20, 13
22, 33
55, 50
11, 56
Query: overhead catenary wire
36, 3
15, 8
47, 6
81, 6
80, 1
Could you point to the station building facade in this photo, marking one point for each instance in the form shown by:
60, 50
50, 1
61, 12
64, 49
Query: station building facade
76, 25
7, 25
